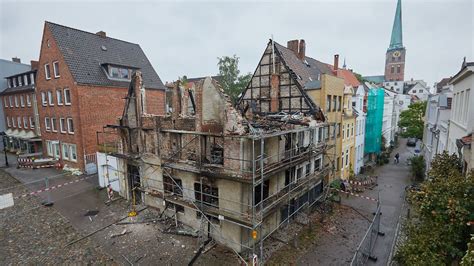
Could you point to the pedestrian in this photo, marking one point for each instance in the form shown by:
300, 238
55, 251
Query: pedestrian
397, 158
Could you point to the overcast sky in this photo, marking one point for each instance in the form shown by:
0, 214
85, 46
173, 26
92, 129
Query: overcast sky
185, 38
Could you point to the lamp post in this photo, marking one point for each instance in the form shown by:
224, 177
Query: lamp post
5, 148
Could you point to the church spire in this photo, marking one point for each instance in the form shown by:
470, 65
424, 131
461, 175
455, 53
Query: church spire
396, 41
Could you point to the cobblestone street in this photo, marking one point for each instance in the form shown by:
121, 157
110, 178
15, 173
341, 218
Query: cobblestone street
34, 234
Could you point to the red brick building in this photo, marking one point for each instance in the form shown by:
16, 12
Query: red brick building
82, 83
21, 113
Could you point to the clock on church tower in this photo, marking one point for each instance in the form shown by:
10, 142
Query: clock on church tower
395, 56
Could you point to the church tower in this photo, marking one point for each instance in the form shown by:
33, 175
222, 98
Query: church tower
395, 56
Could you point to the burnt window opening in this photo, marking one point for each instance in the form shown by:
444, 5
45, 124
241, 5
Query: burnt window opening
173, 187
213, 150
299, 173
258, 191
308, 168
209, 195
176, 207
317, 165
191, 103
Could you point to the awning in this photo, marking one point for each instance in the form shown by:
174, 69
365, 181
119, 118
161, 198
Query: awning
13, 133
28, 135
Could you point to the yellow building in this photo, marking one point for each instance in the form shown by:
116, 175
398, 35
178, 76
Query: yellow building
329, 97
348, 135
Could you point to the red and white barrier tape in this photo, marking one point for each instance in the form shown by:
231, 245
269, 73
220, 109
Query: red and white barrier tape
52, 188
361, 183
355, 195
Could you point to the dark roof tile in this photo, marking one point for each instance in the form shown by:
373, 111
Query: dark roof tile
84, 54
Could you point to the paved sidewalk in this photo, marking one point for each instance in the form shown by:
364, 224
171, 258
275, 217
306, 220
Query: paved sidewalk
392, 180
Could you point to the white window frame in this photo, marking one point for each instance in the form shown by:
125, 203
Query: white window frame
18, 120
59, 96
16, 101
49, 148
32, 123
44, 100
13, 122
71, 148
10, 100
69, 121
50, 98
47, 72
62, 124
53, 124
47, 124
65, 149
66, 100
28, 100
56, 69
8, 121
22, 101
5, 101
25, 122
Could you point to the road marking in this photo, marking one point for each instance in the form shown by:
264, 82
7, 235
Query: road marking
52, 188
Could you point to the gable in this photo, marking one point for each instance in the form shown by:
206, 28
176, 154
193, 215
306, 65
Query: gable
275, 90
87, 53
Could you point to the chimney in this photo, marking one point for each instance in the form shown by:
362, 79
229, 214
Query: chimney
302, 50
102, 34
336, 62
16, 60
34, 64
293, 46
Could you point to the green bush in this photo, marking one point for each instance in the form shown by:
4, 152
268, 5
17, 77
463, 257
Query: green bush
418, 167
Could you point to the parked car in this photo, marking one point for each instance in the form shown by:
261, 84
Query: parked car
411, 142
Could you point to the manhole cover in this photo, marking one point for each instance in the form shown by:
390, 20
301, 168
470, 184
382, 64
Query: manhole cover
91, 213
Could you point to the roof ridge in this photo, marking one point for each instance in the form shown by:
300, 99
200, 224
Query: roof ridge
88, 32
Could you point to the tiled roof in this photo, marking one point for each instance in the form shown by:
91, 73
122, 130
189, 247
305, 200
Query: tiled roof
21, 89
308, 71
85, 54
348, 76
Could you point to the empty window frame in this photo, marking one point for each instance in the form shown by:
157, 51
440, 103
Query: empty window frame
173, 186
209, 195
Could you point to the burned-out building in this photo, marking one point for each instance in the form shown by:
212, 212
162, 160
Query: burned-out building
233, 173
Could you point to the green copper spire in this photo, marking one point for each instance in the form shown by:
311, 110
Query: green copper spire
397, 40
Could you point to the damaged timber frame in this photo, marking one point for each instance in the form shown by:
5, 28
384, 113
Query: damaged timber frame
233, 176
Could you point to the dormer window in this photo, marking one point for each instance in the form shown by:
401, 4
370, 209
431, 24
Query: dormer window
119, 72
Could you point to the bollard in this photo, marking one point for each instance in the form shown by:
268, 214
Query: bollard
48, 201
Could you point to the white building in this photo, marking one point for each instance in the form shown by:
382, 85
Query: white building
461, 123
358, 108
389, 118
400, 104
396, 86
418, 89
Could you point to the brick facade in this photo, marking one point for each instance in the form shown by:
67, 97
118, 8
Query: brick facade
395, 65
91, 107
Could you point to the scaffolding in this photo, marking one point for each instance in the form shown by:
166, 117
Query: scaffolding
301, 163
373, 135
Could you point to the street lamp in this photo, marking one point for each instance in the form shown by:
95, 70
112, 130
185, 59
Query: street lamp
4, 148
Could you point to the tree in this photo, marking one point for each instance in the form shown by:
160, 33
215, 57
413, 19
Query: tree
412, 120
232, 82
359, 77
444, 206
418, 167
